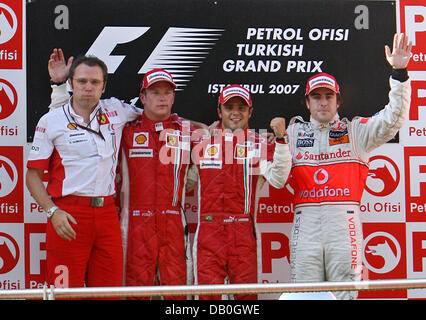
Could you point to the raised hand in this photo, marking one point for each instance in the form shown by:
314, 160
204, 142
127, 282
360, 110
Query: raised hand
58, 70
278, 125
401, 52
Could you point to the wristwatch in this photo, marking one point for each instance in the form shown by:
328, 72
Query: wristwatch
53, 83
51, 211
284, 139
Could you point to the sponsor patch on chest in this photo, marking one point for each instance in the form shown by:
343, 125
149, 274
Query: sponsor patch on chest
141, 139
338, 137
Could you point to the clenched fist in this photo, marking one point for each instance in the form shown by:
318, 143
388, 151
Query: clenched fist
278, 126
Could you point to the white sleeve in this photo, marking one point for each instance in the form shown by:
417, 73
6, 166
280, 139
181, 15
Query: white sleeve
277, 171
371, 133
42, 146
131, 111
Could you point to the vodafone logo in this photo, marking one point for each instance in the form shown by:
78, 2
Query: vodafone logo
9, 253
383, 176
8, 23
8, 99
321, 176
382, 252
8, 176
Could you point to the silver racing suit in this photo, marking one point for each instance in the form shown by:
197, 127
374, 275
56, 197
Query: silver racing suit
329, 170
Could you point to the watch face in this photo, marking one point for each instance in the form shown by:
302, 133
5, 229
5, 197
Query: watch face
51, 211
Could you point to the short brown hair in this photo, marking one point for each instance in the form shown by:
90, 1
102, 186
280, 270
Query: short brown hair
89, 61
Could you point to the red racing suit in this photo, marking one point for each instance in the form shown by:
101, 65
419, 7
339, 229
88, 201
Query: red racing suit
329, 170
230, 170
155, 158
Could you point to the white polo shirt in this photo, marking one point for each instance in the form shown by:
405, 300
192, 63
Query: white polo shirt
79, 161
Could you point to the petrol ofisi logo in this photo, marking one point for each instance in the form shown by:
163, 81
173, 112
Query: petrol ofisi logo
11, 184
10, 34
9, 253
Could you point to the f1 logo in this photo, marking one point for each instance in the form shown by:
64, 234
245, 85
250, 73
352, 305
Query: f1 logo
180, 49
108, 39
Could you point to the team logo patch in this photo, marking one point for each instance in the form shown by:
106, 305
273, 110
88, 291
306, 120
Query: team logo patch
338, 137
240, 151
72, 126
304, 134
305, 143
141, 139
172, 141
210, 164
333, 134
102, 119
212, 151
141, 153
248, 150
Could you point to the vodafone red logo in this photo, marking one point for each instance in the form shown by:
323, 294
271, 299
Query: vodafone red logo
9, 253
8, 23
321, 176
383, 176
382, 252
8, 99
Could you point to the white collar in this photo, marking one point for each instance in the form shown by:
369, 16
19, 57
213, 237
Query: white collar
319, 125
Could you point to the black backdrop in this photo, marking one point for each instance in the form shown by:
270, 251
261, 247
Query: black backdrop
357, 61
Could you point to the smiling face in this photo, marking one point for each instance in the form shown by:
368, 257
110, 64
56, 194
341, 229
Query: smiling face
323, 104
158, 100
234, 113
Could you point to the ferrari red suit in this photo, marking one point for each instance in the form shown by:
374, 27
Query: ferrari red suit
156, 153
230, 169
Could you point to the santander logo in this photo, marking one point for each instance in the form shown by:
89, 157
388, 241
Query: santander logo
324, 156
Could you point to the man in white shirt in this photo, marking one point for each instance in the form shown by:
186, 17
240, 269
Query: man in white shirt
78, 145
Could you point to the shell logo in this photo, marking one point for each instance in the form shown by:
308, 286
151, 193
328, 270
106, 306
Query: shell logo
212, 150
72, 126
140, 139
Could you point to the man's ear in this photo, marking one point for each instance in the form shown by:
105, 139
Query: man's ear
142, 97
219, 112
250, 112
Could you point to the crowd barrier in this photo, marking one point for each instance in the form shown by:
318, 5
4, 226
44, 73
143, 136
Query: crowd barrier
51, 293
